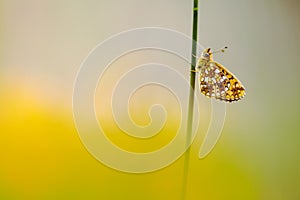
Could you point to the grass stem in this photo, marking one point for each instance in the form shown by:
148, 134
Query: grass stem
191, 99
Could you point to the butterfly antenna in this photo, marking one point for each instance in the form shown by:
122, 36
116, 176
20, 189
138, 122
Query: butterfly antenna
220, 50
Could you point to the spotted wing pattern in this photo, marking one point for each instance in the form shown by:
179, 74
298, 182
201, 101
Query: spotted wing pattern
216, 81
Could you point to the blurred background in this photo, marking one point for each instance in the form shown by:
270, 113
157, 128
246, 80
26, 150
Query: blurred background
43, 43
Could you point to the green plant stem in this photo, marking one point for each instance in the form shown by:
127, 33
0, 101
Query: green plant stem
191, 98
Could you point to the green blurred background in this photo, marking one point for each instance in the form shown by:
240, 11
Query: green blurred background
42, 45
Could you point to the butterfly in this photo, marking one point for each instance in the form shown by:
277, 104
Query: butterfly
216, 81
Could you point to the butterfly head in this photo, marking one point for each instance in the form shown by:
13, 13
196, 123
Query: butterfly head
207, 54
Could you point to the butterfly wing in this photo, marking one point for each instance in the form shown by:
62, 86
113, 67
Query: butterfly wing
216, 81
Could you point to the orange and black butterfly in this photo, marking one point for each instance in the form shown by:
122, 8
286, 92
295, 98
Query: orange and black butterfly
216, 81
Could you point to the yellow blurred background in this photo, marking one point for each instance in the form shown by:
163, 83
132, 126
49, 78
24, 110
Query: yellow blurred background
42, 45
